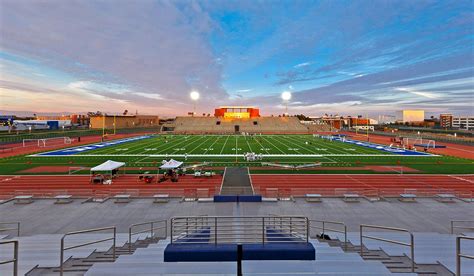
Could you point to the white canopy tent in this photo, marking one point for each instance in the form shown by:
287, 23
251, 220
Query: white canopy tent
172, 164
107, 166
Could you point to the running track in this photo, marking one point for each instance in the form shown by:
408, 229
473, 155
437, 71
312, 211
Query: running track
47, 186
369, 185
267, 185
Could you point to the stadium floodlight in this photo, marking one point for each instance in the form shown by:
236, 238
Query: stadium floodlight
286, 96
194, 95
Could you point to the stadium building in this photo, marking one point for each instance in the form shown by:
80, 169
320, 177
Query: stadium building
123, 121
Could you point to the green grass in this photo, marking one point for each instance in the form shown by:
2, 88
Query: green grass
228, 150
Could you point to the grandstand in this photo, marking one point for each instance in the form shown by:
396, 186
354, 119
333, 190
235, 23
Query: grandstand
191, 238
216, 125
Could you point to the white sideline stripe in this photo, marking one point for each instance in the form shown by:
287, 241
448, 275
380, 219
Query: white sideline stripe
234, 155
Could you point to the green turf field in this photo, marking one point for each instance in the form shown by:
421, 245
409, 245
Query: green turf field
230, 145
228, 150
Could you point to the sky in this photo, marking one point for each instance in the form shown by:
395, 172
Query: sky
335, 57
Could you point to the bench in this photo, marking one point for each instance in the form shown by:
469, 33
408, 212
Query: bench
351, 197
161, 198
313, 198
407, 197
123, 198
445, 197
63, 199
23, 199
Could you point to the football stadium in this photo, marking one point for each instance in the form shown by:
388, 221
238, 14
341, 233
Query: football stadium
234, 194
243, 138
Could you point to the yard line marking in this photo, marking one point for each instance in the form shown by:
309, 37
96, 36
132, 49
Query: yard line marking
273, 145
200, 144
223, 147
210, 147
262, 147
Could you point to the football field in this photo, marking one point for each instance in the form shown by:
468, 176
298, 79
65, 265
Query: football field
231, 146
334, 154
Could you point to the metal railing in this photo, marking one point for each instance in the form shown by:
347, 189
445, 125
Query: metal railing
453, 226
227, 229
17, 228
15, 256
324, 228
151, 230
63, 248
411, 244
460, 255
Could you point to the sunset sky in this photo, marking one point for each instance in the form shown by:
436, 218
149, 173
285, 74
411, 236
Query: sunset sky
344, 57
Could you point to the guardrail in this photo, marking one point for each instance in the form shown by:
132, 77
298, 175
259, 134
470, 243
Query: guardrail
151, 230
459, 255
453, 226
411, 244
17, 228
15, 256
324, 228
227, 229
63, 248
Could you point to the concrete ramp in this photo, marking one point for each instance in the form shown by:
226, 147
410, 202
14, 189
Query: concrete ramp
236, 182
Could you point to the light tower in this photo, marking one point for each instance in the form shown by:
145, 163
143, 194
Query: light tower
286, 97
195, 97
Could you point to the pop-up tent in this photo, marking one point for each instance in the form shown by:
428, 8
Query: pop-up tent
107, 166
172, 164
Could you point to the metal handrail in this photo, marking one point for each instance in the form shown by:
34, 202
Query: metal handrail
15, 256
411, 244
114, 238
17, 228
245, 229
461, 227
324, 228
459, 255
151, 230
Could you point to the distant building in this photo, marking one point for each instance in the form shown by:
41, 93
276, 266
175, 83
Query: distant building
387, 119
464, 122
76, 119
123, 121
411, 116
446, 120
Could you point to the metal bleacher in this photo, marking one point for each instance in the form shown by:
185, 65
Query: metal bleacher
329, 261
40, 254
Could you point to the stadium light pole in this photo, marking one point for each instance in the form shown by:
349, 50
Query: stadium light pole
195, 97
286, 97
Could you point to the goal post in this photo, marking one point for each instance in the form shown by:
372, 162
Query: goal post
44, 142
30, 142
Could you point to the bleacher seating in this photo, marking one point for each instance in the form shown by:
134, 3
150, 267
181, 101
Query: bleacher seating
430, 248
264, 125
329, 261
43, 250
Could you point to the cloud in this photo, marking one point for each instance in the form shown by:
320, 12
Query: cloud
304, 64
145, 46
419, 93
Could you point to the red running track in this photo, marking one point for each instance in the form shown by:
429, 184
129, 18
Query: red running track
368, 185
47, 186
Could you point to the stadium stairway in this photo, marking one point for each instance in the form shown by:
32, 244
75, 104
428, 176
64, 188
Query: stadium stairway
40, 254
434, 252
236, 182
329, 261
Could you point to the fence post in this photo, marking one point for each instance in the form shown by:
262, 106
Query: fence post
361, 244
15, 255
215, 230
